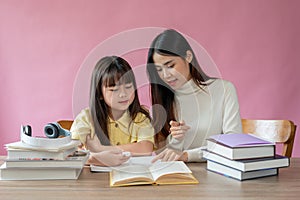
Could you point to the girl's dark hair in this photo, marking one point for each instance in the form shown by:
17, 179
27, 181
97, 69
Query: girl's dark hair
169, 43
108, 72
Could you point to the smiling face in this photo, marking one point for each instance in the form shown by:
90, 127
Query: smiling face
173, 70
118, 98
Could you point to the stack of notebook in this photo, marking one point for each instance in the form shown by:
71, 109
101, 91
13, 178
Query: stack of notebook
243, 156
42, 159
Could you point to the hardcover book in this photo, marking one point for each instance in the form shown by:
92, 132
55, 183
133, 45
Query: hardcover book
58, 148
38, 173
159, 173
76, 160
240, 146
40, 169
26, 154
249, 164
237, 174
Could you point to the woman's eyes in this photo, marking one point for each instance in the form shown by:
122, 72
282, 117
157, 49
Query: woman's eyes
128, 86
159, 69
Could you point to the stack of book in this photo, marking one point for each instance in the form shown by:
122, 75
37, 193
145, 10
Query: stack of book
42, 159
243, 156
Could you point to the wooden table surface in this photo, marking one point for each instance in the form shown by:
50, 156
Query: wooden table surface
212, 186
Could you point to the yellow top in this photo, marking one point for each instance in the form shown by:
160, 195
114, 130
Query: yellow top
120, 131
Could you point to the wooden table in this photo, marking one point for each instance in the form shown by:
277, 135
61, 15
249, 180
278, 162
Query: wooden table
212, 186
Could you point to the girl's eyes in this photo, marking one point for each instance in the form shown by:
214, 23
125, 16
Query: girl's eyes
116, 88
113, 89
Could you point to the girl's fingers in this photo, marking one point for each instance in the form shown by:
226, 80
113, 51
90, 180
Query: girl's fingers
116, 151
124, 158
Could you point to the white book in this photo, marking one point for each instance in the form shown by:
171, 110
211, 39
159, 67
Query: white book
26, 154
237, 174
38, 173
240, 146
249, 164
26, 146
74, 161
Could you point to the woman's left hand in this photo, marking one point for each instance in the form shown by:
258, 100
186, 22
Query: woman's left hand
171, 155
178, 129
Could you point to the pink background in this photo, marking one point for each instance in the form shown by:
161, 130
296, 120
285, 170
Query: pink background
255, 44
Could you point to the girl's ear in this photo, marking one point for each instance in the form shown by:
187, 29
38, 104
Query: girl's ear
101, 97
189, 56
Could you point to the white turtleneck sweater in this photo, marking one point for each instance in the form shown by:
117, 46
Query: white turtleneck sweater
213, 110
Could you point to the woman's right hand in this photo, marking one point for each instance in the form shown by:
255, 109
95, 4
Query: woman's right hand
178, 129
171, 155
108, 158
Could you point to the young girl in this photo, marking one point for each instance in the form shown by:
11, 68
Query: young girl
197, 105
115, 120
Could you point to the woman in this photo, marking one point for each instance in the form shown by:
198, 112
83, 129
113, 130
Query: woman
196, 105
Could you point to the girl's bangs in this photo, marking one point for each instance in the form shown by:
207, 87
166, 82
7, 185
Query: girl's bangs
113, 78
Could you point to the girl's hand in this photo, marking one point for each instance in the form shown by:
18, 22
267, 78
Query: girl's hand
178, 129
171, 155
94, 145
108, 158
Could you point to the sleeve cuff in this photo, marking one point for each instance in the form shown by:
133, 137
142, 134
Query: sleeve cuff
195, 155
175, 144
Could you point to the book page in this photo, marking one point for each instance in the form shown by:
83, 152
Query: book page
131, 173
141, 160
159, 169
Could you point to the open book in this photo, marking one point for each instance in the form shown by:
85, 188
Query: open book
158, 173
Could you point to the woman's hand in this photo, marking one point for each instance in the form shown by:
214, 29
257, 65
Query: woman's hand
171, 155
178, 129
108, 158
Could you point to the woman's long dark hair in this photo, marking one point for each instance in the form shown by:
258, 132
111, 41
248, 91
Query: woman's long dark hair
169, 43
108, 72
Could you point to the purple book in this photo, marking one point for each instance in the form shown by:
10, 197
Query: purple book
240, 140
